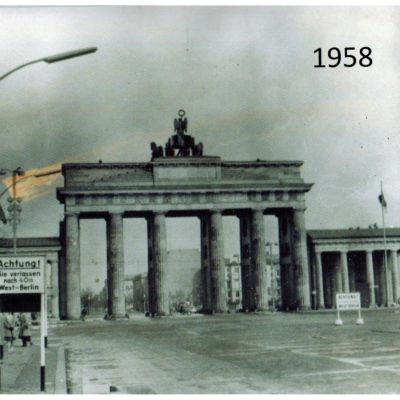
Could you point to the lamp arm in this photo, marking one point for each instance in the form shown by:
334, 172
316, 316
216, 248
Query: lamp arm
21, 66
10, 186
29, 176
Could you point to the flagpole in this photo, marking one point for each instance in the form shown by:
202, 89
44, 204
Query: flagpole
384, 247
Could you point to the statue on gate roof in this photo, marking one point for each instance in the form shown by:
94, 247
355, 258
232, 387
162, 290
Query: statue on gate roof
178, 145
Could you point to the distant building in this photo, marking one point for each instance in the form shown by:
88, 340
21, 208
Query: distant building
182, 279
274, 281
183, 276
128, 291
233, 283
140, 293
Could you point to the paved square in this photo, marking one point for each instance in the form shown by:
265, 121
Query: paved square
240, 353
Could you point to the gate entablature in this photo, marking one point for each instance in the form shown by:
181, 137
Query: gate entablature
182, 183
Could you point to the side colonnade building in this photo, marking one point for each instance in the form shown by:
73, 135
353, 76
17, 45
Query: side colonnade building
353, 260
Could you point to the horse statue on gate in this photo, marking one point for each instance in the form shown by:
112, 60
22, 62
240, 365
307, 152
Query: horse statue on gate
179, 144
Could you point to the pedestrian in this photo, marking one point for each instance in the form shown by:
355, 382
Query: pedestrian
34, 318
9, 326
84, 313
24, 331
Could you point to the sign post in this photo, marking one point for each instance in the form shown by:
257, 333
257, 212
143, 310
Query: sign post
347, 302
24, 276
42, 342
1, 348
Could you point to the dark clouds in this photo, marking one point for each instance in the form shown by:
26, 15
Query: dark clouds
245, 77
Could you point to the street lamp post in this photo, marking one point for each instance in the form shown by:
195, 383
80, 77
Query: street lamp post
14, 208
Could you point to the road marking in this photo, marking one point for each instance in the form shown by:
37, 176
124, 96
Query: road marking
332, 372
369, 359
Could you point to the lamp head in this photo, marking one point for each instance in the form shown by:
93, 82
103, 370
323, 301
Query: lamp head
69, 54
19, 172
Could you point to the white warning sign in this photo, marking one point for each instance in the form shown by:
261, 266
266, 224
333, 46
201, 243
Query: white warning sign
21, 274
348, 301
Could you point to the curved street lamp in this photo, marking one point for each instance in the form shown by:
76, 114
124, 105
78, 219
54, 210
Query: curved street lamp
18, 171
55, 58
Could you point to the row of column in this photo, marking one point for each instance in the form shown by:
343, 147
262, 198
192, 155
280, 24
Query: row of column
253, 261
253, 256
70, 286
390, 281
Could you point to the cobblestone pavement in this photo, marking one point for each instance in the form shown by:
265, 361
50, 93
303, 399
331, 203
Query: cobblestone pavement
240, 353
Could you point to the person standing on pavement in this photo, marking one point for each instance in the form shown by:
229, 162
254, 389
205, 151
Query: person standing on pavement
9, 326
2, 317
24, 331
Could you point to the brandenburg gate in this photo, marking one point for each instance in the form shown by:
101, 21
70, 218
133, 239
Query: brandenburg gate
181, 181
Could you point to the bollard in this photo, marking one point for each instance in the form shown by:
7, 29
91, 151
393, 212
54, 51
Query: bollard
1, 363
42, 378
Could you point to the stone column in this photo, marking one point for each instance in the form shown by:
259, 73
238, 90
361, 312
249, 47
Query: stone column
116, 266
338, 271
327, 288
320, 282
382, 280
218, 280
72, 261
62, 286
259, 262
62, 273
150, 273
389, 290
245, 257
288, 288
55, 304
345, 271
352, 266
300, 259
160, 263
205, 263
395, 275
370, 279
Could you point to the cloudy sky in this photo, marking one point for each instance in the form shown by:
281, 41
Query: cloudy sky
245, 77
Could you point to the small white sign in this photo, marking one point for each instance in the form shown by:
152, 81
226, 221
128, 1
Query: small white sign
348, 301
21, 274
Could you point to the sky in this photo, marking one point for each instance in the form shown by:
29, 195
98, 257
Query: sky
244, 75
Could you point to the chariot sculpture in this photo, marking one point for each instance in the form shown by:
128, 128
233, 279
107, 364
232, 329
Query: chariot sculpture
178, 145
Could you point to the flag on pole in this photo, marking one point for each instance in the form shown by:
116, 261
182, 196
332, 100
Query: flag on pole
382, 200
